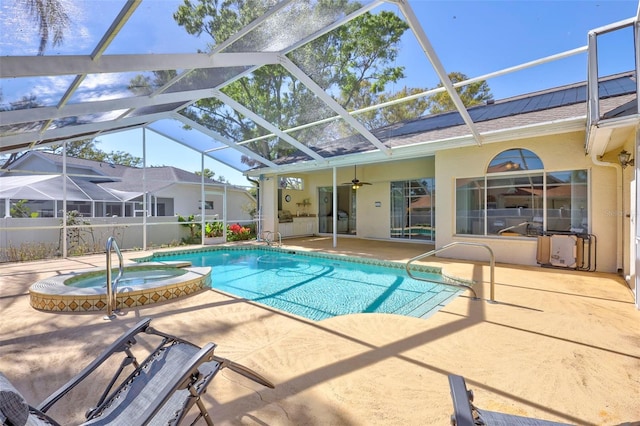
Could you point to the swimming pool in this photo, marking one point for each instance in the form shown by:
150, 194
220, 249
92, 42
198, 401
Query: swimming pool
318, 287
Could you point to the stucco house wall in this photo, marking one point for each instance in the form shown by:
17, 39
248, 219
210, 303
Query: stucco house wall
372, 221
187, 201
269, 204
558, 153
561, 152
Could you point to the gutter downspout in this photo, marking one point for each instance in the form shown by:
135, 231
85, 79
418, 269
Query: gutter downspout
619, 209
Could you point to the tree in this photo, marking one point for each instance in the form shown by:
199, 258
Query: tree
20, 209
406, 110
360, 54
124, 159
88, 150
51, 18
209, 174
471, 94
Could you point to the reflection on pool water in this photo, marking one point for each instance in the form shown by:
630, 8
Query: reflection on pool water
319, 286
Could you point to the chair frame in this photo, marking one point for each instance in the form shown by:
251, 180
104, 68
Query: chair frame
194, 376
466, 414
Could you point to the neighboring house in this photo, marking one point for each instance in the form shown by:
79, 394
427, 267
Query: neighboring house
99, 189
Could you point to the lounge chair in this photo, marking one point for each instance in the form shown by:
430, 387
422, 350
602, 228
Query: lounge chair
159, 391
466, 414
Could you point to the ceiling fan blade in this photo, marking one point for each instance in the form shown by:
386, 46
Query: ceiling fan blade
355, 183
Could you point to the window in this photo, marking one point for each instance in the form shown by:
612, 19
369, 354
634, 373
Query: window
289, 182
515, 160
413, 209
208, 205
82, 207
510, 200
567, 201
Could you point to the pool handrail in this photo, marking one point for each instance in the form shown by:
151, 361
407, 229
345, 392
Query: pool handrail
112, 286
268, 237
492, 264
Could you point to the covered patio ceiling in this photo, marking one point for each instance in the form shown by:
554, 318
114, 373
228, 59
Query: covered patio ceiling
81, 103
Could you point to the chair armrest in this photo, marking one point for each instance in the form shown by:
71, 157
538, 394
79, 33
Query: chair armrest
243, 371
462, 411
122, 343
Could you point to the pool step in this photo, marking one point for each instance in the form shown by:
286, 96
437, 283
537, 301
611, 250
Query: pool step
427, 304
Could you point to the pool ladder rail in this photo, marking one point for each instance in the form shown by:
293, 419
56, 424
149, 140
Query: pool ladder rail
112, 286
267, 236
492, 263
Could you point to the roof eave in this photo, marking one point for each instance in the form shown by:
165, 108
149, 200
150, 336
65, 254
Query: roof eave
598, 135
428, 148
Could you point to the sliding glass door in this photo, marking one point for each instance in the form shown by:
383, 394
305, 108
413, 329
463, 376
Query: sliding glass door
413, 209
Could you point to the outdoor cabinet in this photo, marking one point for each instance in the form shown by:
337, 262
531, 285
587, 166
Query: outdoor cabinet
285, 229
299, 227
304, 226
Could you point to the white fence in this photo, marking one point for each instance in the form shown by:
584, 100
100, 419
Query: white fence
32, 238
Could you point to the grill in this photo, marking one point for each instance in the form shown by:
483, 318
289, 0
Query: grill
285, 216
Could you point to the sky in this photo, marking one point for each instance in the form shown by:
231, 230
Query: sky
481, 37
472, 37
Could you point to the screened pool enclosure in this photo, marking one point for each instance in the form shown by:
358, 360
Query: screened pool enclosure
305, 91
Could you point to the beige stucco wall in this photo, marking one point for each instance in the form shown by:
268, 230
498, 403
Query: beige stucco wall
372, 221
187, 201
269, 204
558, 153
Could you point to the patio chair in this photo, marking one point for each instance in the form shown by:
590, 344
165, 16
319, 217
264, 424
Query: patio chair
466, 414
159, 391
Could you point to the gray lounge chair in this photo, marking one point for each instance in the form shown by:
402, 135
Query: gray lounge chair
159, 391
466, 414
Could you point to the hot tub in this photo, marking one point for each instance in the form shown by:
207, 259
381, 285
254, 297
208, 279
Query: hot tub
140, 285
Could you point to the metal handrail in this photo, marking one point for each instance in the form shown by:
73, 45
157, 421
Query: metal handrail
112, 286
492, 264
268, 237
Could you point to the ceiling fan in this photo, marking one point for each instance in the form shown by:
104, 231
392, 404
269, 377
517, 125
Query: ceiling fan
355, 183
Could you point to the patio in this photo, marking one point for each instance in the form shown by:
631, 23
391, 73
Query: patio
559, 345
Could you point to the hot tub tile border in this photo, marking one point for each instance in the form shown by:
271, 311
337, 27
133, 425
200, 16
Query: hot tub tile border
65, 302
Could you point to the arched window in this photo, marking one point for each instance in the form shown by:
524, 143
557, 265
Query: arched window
516, 197
515, 160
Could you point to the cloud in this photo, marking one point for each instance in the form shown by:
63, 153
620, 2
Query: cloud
19, 31
99, 87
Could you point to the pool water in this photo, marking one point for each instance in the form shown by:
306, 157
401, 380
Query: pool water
319, 288
129, 278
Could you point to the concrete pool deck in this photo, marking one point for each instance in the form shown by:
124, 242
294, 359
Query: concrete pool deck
559, 345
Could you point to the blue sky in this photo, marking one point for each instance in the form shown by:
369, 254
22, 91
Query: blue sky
472, 37
480, 37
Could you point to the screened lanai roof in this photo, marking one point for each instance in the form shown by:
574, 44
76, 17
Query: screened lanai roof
180, 83
51, 187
